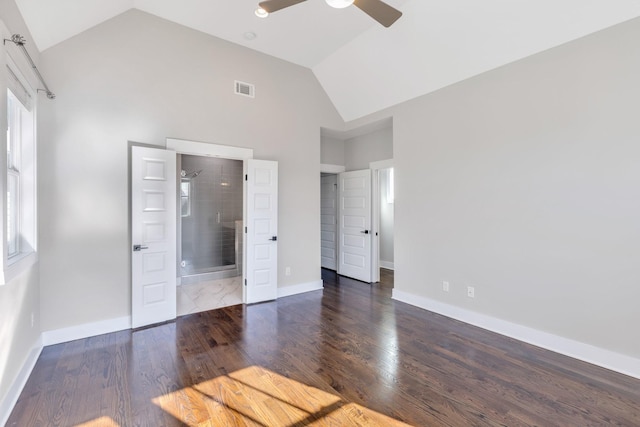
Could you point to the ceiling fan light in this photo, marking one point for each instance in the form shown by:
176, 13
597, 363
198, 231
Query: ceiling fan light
261, 13
339, 4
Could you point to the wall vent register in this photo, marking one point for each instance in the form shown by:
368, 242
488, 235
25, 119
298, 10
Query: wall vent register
245, 89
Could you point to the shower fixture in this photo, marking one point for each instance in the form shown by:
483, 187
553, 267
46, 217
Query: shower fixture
189, 175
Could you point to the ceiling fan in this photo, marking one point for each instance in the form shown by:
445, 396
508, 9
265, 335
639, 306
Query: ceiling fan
377, 9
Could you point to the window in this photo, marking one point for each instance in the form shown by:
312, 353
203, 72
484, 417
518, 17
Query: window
20, 202
185, 197
390, 186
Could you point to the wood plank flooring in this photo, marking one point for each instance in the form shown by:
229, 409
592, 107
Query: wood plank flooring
348, 355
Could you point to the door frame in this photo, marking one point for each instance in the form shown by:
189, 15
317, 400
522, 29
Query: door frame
376, 167
196, 148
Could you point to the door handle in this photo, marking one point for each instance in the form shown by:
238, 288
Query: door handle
274, 238
137, 248
365, 231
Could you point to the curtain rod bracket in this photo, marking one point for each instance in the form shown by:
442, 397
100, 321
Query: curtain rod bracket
20, 41
50, 94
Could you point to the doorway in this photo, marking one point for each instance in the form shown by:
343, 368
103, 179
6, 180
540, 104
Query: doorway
156, 210
210, 230
382, 222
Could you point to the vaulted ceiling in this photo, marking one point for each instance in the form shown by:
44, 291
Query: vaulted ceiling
362, 66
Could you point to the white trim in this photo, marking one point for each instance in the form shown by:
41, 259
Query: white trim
287, 291
183, 146
387, 264
86, 330
7, 404
327, 168
588, 353
21, 264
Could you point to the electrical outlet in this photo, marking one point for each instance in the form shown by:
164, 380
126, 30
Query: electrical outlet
287, 271
471, 292
445, 286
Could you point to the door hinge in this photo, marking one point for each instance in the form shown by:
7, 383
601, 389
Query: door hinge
245, 230
246, 177
245, 282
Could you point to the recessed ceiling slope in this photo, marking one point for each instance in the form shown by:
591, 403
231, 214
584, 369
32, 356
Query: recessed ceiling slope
438, 43
51, 22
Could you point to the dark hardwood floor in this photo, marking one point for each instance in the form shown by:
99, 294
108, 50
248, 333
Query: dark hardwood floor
348, 355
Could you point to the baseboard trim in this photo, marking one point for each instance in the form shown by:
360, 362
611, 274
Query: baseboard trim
386, 264
287, 291
86, 330
587, 353
7, 404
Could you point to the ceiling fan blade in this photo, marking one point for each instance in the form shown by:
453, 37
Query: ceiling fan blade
379, 10
275, 5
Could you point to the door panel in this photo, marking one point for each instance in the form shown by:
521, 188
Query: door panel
262, 230
355, 234
329, 221
153, 228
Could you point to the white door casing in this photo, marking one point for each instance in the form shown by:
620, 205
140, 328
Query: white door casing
329, 221
354, 212
261, 216
153, 231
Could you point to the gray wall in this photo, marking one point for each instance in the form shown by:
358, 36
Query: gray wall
364, 149
20, 298
331, 151
525, 182
140, 78
357, 152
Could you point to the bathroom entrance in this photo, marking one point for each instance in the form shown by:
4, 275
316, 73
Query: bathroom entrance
210, 233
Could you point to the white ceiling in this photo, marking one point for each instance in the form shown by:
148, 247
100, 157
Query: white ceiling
362, 66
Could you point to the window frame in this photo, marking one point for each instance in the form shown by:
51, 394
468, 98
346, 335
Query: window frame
24, 167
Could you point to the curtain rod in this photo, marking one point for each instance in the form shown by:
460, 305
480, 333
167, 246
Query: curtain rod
20, 41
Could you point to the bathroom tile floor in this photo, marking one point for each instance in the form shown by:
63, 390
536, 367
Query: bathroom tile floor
209, 295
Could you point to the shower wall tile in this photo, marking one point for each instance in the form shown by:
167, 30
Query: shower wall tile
209, 241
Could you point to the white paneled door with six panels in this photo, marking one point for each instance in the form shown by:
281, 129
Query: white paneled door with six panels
262, 230
153, 230
329, 221
355, 234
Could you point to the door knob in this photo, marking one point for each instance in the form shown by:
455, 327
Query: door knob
137, 248
274, 238
365, 231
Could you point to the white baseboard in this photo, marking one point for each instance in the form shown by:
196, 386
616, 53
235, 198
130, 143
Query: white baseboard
299, 289
386, 264
72, 333
9, 401
588, 353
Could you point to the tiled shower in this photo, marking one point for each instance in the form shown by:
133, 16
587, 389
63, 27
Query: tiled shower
211, 202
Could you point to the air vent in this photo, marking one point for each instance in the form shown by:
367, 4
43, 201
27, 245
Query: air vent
245, 89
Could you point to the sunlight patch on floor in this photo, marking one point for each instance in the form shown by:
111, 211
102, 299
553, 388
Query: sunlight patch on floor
99, 422
260, 397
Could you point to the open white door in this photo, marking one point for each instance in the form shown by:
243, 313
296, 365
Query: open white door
153, 231
329, 221
354, 193
261, 230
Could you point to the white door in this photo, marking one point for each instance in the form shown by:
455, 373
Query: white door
261, 230
153, 231
329, 221
354, 192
